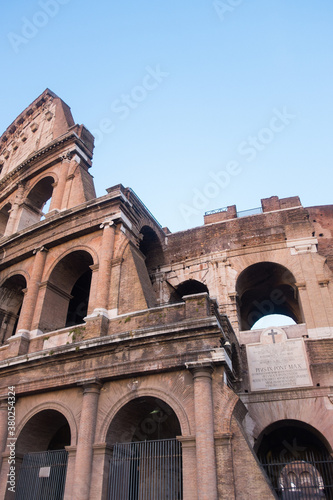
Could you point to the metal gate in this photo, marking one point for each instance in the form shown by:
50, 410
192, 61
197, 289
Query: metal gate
307, 478
149, 470
42, 476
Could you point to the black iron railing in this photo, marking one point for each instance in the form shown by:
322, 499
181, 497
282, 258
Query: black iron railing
42, 476
307, 478
148, 470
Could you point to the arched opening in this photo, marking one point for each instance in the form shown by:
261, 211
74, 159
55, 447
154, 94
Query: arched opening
188, 287
42, 443
151, 248
11, 299
266, 289
297, 460
67, 292
273, 320
36, 201
78, 304
4, 216
146, 454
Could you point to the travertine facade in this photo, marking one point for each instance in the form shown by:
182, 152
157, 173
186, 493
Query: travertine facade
114, 330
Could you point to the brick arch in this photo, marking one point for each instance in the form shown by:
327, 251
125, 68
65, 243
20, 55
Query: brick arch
11, 299
312, 412
174, 404
21, 272
51, 405
84, 248
66, 292
266, 287
40, 177
245, 262
304, 428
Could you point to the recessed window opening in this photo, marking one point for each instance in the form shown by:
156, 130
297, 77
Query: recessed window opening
188, 287
151, 248
4, 216
78, 305
11, 299
267, 289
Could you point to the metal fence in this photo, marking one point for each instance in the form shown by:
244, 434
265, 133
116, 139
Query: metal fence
251, 211
42, 476
149, 470
307, 478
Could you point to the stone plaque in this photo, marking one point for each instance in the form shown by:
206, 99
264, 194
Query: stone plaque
44, 471
277, 363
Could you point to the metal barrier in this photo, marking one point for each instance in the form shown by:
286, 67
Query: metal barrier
148, 470
251, 211
42, 476
307, 478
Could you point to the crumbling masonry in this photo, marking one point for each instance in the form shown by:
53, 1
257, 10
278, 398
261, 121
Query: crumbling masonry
120, 338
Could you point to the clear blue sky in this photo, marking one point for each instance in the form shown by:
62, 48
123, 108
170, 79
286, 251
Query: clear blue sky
196, 104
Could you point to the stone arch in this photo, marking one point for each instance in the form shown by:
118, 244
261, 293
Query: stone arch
303, 456
170, 400
35, 201
11, 299
45, 430
67, 291
266, 288
288, 437
187, 287
21, 272
146, 453
84, 248
51, 405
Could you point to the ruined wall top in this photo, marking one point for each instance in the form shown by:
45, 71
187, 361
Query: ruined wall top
41, 123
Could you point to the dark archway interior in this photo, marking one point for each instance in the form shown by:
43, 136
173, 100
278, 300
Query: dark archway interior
4, 216
144, 419
78, 305
151, 248
266, 288
67, 294
11, 299
47, 430
188, 287
41, 193
291, 440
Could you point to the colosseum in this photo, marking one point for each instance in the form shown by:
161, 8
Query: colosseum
131, 366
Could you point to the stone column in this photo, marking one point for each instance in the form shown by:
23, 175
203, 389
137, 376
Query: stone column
70, 472
84, 449
189, 467
105, 260
12, 223
204, 431
59, 189
30, 298
226, 486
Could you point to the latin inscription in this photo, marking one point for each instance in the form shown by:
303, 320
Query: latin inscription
278, 365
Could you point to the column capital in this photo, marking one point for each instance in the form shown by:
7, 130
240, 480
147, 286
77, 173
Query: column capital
107, 223
92, 385
201, 368
39, 249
